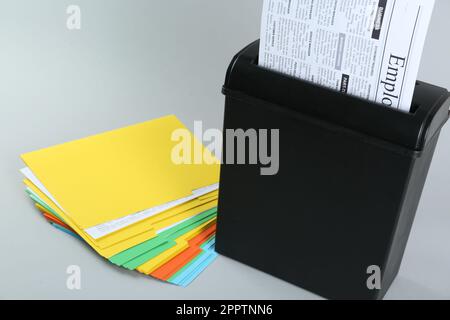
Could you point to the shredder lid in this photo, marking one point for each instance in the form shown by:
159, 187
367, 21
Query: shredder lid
430, 107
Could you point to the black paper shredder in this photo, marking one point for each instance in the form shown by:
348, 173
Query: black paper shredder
350, 178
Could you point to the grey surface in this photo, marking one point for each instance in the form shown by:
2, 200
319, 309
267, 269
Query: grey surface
137, 60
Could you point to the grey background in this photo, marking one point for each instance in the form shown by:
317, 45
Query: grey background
137, 60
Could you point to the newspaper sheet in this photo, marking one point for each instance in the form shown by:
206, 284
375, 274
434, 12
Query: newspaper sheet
367, 48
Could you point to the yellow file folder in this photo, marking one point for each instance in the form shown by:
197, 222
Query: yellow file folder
119, 173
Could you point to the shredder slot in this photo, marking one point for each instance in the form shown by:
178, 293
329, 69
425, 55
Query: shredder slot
407, 129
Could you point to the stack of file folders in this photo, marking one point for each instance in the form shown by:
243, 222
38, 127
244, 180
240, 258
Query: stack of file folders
123, 194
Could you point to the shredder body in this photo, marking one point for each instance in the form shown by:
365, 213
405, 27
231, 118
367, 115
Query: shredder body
350, 178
